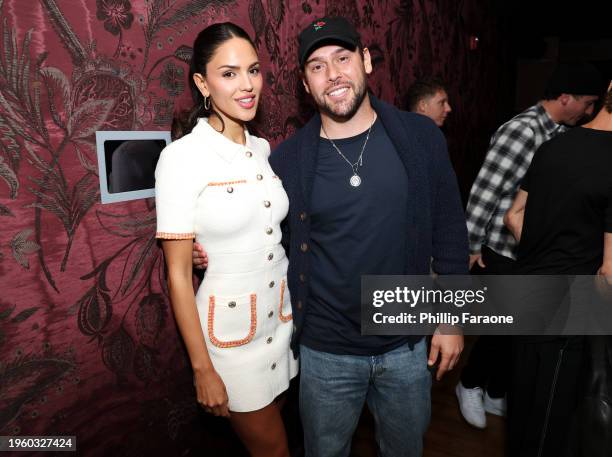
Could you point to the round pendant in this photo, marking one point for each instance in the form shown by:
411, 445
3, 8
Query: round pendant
355, 181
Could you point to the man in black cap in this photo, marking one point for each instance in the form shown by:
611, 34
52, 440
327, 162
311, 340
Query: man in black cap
570, 96
371, 191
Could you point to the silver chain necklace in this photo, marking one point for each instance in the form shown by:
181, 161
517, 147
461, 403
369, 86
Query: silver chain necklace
355, 180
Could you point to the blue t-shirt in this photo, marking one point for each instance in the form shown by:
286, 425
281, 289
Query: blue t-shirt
355, 231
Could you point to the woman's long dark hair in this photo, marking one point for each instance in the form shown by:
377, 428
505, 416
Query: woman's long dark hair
204, 47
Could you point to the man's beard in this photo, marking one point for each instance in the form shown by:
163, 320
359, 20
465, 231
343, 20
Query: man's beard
347, 109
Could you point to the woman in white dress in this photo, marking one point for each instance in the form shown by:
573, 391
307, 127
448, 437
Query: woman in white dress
214, 185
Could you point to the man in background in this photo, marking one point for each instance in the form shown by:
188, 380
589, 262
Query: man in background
569, 97
562, 217
429, 98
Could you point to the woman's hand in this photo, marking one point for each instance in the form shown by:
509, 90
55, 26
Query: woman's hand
211, 392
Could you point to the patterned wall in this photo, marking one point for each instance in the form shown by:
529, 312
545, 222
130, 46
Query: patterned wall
88, 345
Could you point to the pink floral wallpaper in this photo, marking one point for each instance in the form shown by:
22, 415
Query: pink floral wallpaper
88, 345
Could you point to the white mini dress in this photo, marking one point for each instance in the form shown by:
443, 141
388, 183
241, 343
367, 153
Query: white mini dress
226, 196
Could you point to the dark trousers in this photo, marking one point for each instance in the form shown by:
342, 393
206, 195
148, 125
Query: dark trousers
488, 364
543, 394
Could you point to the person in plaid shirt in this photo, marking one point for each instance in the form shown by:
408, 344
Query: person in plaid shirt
569, 97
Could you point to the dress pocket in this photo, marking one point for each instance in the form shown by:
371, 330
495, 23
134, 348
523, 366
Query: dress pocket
232, 321
284, 308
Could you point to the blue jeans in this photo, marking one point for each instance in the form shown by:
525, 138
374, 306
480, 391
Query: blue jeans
333, 388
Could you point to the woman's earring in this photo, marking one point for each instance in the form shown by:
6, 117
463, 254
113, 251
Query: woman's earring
207, 103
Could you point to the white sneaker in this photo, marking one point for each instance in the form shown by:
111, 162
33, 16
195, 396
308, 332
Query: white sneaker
495, 406
471, 405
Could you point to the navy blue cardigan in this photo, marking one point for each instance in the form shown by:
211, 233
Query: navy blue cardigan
437, 233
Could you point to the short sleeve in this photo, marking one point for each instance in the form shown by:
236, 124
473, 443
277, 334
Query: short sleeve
177, 188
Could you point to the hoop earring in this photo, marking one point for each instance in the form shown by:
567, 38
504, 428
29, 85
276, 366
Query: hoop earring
206, 106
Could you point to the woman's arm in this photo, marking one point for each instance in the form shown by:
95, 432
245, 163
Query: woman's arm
209, 386
513, 219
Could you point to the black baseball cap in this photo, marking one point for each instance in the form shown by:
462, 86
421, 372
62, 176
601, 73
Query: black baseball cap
334, 29
579, 78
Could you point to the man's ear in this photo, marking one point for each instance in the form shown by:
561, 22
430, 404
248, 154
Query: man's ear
305, 83
367, 61
200, 82
564, 99
422, 106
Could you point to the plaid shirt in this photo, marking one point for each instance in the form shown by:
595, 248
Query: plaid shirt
510, 153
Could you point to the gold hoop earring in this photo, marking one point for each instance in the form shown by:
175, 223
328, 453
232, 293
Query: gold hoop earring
206, 106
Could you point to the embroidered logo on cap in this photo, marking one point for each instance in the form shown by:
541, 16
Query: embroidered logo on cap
318, 25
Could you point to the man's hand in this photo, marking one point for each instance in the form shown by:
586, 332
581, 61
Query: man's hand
449, 348
606, 267
605, 271
476, 258
200, 258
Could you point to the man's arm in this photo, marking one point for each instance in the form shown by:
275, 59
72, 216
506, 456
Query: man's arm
606, 266
513, 219
449, 234
496, 177
449, 250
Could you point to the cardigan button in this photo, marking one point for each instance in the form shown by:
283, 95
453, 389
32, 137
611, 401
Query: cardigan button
269, 340
270, 256
232, 304
259, 177
270, 314
230, 190
269, 230
267, 204
302, 216
299, 304
302, 277
304, 247
271, 284
273, 366
249, 154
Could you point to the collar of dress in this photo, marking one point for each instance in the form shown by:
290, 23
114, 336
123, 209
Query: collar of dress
223, 146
